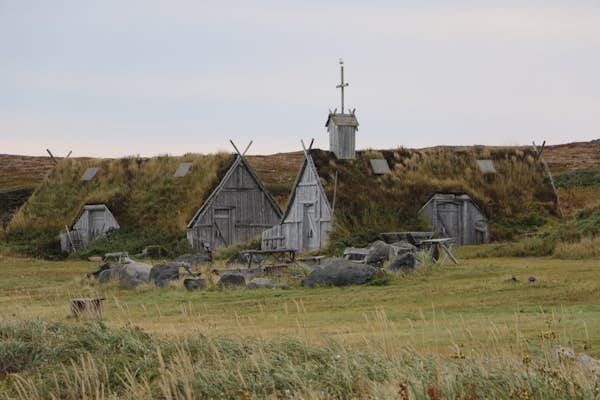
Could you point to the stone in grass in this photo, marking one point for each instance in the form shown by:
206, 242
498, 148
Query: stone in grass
194, 284
231, 280
133, 274
340, 273
161, 274
265, 283
379, 252
406, 262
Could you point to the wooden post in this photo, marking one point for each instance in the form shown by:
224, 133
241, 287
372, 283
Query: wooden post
335, 182
549, 174
52, 156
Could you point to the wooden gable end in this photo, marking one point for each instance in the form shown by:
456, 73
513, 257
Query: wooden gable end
238, 210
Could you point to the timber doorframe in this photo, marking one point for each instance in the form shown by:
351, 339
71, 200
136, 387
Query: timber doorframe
223, 226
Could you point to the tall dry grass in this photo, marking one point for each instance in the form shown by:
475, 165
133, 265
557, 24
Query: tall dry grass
40, 360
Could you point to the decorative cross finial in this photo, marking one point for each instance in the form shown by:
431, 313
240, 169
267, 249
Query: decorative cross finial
342, 84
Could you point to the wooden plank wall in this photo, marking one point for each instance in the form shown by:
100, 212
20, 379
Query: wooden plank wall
291, 233
251, 212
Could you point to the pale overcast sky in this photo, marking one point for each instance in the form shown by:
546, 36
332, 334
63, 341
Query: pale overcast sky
114, 78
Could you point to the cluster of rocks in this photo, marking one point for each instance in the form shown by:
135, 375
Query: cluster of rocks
132, 273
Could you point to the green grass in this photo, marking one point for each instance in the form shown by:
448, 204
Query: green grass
583, 177
575, 238
452, 330
469, 293
440, 331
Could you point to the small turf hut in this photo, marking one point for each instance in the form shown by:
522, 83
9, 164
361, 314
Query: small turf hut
93, 221
238, 210
456, 216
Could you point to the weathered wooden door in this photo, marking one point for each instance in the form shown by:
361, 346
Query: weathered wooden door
222, 227
308, 226
97, 222
448, 220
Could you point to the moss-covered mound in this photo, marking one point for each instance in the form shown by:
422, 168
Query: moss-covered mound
517, 199
143, 195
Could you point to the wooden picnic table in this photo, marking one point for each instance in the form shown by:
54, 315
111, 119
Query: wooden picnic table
443, 244
280, 255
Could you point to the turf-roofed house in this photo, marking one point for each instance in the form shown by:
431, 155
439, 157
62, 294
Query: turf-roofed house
344, 197
94, 221
238, 210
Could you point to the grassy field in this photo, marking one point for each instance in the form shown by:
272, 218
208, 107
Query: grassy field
432, 331
474, 304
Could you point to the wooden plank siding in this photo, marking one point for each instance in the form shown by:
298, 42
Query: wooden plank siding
93, 221
306, 222
456, 216
237, 211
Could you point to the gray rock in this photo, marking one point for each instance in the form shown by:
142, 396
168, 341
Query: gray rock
401, 247
265, 283
560, 353
161, 274
105, 276
194, 284
405, 262
231, 280
588, 362
137, 270
129, 282
194, 258
99, 270
239, 258
133, 274
340, 273
260, 283
379, 252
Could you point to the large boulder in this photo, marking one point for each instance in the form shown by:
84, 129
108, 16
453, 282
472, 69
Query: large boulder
340, 273
162, 274
133, 274
231, 280
404, 262
194, 284
378, 252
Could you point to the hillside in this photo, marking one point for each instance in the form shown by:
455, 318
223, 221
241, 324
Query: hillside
576, 168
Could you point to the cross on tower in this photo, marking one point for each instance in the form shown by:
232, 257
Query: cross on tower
342, 85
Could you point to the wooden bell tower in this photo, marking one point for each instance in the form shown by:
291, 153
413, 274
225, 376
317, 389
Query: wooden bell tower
342, 126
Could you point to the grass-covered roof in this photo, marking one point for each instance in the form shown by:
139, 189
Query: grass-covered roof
147, 197
516, 199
